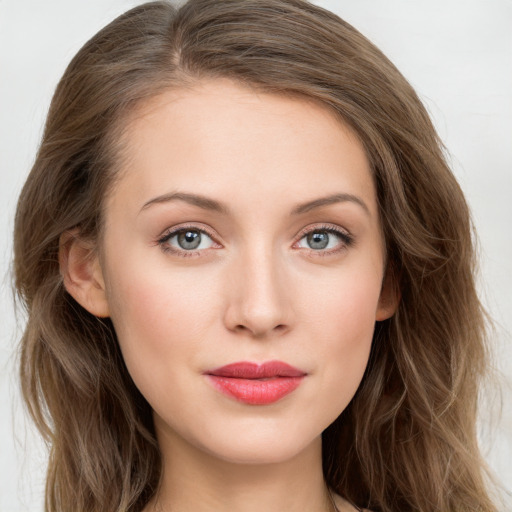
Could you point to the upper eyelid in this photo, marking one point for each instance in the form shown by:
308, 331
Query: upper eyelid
323, 227
174, 230
312, 227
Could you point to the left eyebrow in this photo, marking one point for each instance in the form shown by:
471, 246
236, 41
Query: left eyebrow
328, 200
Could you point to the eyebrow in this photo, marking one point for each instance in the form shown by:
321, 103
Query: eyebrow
207, 203
196, 200
328, 200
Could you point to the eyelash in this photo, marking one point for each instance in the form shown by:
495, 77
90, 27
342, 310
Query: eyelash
346, 238
162, 241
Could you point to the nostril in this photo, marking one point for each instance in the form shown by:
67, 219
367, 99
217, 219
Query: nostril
280, 328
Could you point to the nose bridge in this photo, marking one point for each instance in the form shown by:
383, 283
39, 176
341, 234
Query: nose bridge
260, 302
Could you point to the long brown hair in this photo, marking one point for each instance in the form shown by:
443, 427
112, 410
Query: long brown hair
407, 440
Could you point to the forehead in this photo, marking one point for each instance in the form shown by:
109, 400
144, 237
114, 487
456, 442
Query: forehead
219, 137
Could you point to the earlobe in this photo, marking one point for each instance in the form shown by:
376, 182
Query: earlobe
389, 296
81, 273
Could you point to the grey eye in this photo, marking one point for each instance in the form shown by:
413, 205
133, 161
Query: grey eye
318, 239
189, 239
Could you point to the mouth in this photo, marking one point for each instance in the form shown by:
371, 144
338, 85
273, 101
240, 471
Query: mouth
256, 384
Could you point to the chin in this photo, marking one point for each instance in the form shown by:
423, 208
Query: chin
263, 444
258, 453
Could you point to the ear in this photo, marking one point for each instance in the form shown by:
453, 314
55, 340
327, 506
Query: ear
389, 296
81, 272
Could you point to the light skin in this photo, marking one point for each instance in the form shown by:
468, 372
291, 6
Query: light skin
290, 267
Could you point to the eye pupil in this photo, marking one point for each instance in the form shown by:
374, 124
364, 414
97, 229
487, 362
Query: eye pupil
189, 239
318, 239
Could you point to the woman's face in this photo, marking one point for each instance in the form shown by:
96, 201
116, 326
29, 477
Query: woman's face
243, 230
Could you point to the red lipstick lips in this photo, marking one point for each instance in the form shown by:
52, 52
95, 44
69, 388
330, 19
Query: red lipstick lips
256, 384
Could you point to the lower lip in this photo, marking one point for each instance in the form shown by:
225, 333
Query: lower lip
256, 391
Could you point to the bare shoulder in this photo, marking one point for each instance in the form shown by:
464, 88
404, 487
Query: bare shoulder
344, 506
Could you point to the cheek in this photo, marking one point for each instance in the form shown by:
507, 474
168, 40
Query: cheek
155, 314
345, 305
342, 320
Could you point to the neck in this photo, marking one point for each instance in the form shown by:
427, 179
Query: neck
195, 480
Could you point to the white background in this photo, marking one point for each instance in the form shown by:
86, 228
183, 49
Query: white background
456, 53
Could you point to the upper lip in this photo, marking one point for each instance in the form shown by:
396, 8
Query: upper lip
249, 370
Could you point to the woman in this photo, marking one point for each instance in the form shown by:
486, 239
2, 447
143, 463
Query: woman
249, 274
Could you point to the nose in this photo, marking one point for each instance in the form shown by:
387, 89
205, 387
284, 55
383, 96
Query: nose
259, 302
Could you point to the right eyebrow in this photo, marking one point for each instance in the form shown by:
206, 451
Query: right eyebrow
203, 202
